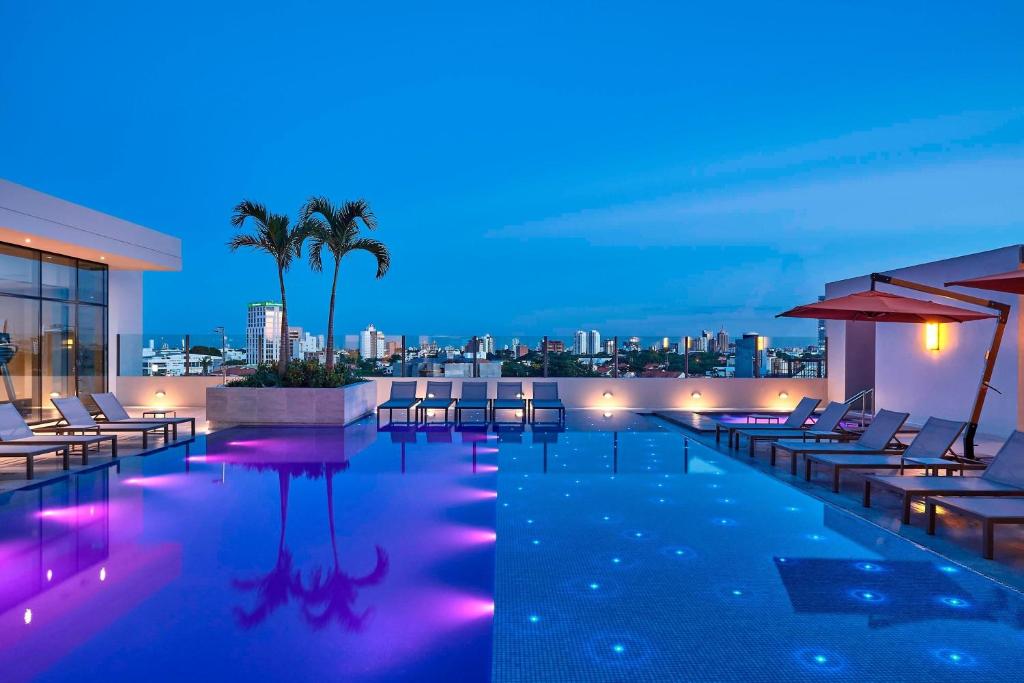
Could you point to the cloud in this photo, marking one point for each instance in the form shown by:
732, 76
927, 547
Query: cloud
933, 201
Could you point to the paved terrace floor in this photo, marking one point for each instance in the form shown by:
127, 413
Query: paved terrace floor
12, 470
957, 538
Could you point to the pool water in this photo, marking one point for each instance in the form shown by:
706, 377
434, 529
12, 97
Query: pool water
358, 555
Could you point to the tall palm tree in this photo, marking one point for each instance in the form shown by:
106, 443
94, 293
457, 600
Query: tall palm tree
276, 237
336, 229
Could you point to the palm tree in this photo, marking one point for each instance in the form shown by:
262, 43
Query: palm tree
336, 229
274, 236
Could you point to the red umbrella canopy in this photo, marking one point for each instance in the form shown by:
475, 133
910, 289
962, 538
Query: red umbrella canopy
883, 307
1012, 282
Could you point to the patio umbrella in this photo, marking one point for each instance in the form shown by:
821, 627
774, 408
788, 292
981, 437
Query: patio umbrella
1012, 282
885, 307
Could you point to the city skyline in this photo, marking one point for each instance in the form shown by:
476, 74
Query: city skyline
728, 192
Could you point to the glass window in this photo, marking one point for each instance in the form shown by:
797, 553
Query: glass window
92, 282
57, 352
19, 270
59, 276
91, 358
19, 325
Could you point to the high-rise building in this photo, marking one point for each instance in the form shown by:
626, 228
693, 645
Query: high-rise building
371, 343
633, 343
263, 332
579, 343
521, 350
554, 346
594, 342
722, 341
487, 344
609, 346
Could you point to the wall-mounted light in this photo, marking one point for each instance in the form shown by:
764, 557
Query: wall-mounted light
28, 240
160, 394
54, 394
607, 394
430, 413
519, 413
430, 396
695, 395
931, 336
519, 395
783, 395
607, 414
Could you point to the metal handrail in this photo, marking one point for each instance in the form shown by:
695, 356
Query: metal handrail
862, 396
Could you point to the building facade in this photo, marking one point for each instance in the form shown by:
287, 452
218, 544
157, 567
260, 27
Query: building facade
70, 297
263, 332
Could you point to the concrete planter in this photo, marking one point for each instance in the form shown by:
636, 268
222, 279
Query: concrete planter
243, 405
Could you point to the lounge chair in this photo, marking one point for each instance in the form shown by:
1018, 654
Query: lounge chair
79, 420
403, 397
801, 413
113, 411
924, 453
545, 397
30, 452
16, 432
988, 511
874, 440
474, 397
510, 397
1004, 476
439, 397
824, 428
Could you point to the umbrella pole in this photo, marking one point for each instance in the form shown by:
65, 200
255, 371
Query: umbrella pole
999, 307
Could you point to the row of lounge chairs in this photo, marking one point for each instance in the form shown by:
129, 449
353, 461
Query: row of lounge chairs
510, 397
78, 427
995, 497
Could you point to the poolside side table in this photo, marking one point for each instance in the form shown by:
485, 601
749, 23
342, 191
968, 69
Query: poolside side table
160, 413
769, 419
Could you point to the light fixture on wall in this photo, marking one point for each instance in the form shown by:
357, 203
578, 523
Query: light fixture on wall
607, 394
160, 394
695, 396
28, 240
931, 336
430, 413
54, 394
783, 395
429, 395
607, 414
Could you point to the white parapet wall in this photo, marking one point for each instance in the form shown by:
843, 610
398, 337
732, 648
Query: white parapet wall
634, 393
647, 394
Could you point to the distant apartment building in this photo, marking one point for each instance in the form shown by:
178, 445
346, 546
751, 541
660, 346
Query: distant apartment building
263, 332
579, 343
822, 334
633, 343
372, 343
722, 341
521, 350
486, 344
609, 346
554, 346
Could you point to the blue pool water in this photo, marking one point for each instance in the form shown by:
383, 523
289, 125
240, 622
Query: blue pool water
592, 555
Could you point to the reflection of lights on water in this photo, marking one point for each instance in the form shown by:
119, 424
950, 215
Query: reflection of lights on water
103, 573
959, 603
49, 575
28, 616
948, 569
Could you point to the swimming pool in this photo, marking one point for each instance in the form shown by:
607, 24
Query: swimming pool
322, 554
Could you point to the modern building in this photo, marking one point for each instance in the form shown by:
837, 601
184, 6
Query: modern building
822, 330
579, 343
554, 346
70, 297
263, 332
372, 343
722, 341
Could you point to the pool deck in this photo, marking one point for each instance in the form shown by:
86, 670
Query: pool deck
958, 538
48, 467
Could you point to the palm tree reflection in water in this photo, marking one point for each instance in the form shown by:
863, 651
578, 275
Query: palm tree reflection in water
329, 596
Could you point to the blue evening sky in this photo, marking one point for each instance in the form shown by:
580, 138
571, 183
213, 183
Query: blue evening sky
642, 168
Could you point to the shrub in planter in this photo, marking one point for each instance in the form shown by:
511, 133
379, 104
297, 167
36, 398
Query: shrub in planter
307, 374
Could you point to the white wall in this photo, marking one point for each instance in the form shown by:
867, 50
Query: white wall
124, 317
179, 392
639, 393
940, 383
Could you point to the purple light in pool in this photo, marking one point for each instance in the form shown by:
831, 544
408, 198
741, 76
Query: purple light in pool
469, 493
486, 468
472, 535
156, 481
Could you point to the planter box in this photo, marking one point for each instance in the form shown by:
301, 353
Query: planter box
243, 405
